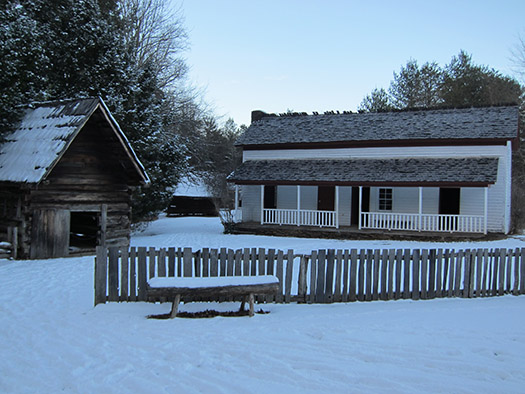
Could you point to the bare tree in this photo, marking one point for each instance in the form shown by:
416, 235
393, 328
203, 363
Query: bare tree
156, 35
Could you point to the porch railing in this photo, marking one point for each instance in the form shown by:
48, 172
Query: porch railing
302, 217
423, 222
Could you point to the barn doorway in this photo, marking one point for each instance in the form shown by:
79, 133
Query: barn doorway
83, 233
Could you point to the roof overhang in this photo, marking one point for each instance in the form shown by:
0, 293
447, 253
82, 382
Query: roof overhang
467, 172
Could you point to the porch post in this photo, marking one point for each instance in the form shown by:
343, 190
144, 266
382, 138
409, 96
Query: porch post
236, 198
337, 207
262, 204
360, 204
420, 208
486, 209
299, 205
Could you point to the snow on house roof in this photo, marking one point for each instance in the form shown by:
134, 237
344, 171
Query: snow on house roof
471, 171
46, 130
486, 123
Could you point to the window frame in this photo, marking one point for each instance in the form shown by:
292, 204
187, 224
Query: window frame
385, 200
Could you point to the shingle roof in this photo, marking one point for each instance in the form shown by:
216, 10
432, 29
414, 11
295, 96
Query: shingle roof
471, 171
43, 135
439, 124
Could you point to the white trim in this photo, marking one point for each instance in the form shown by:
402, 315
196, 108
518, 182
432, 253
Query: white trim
420, 210
262, 204
298, 203
360, 204
508, 185
337, 207
486, 210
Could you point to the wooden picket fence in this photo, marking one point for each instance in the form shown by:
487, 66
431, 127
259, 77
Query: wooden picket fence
322, 276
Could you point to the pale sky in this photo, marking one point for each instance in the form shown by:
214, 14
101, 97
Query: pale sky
315, 55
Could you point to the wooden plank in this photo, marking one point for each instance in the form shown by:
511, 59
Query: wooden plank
113, 264
479, 271
238, 263
376, 271
484, 280
270, 262
490, 272
171, 262
262, 261
301, 285
361, 276
132, 274
161, 263
508, 258
289, 274
466, 273
142, 273
187, 257
515, 287
214, 262
472, 273
313, 276
423, 282
457, 274
205, 261
522, 271
416, 257
399, 273
346, 272
152, 262
383, 279
280, 275
253, 262
246, 262
501, 273
431, 293
223, 256
101, 274
495, 270
451, 270
329, 278
369, 269
124, 275
391, 260
321, 276
446, 276
197, 264
338, 275
406, 274
179, 262
230, 262
352, 296
439, 273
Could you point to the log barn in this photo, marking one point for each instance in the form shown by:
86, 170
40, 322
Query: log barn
66, 177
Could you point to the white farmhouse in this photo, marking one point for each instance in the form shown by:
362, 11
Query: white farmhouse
437, 170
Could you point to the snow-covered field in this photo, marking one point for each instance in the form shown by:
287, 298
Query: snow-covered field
52, 339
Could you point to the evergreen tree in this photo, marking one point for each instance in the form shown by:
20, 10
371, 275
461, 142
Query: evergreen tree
377, 101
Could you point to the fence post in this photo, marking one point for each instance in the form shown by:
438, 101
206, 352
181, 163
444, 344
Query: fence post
101, 269
301, 285
113, 268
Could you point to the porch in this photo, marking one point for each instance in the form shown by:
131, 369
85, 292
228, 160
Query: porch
364, 218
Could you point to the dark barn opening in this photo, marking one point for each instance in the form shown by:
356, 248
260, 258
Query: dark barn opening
83, 233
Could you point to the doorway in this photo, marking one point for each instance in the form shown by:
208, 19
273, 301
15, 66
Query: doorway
325, 198
449, 200
365, 204
84, 231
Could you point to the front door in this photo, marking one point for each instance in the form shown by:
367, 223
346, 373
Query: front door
449, 200
326, 198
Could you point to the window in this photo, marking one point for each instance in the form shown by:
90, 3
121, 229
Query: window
385, 199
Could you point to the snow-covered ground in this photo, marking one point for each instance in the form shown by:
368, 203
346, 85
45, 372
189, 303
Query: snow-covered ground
52, 339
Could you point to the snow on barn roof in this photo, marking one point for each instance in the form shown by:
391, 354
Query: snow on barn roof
188, 187
45, 132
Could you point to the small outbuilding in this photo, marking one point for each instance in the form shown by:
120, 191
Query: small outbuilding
66, 176
192, 198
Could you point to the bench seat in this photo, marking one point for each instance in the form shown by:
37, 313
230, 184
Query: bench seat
211, 287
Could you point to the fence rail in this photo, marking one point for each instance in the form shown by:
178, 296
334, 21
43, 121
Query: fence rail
323, 275
299, 217
423, 222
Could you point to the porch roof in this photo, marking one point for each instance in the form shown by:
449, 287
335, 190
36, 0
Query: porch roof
368, 172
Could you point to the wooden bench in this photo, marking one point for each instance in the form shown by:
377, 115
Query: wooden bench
211, 288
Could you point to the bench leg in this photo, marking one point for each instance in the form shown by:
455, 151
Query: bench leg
251, 298
175, 306
243, 302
